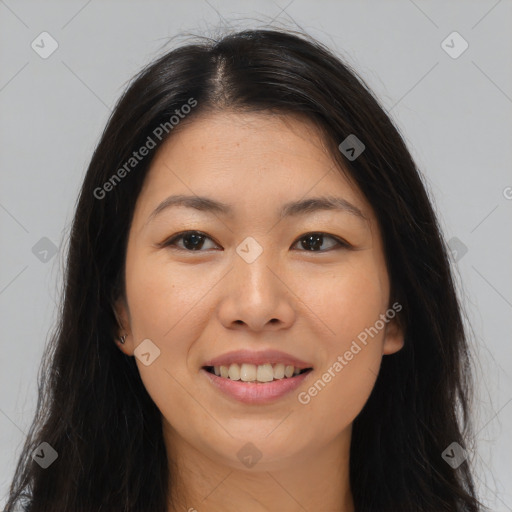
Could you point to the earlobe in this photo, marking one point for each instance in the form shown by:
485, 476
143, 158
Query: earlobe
393, 338
120, 309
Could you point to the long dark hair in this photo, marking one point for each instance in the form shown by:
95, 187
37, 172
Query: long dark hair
93, 408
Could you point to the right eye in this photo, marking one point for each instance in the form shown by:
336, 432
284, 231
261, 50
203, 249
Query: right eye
193, 241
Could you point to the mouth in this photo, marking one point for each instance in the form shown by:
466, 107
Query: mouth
256, 374
256, 385
256, 377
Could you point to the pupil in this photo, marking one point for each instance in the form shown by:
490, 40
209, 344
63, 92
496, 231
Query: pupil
314, 239
197, 241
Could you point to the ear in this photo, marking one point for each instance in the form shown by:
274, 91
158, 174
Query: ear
122, 315
393, 337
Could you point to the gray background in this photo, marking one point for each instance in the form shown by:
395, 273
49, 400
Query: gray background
455, 115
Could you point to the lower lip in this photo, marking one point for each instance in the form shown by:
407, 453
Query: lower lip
256, 393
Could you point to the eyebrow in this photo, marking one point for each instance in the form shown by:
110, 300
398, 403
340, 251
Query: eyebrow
292, 208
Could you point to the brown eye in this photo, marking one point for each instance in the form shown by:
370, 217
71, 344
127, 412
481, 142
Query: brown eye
192, 241
313, 242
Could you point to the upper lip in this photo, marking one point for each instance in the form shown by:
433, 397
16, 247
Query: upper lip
257, 358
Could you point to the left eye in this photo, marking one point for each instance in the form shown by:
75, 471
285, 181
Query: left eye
315, 240
194, 241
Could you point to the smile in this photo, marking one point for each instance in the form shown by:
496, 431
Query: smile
262, 373
254, 391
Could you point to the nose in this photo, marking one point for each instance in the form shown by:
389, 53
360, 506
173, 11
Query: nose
256, 296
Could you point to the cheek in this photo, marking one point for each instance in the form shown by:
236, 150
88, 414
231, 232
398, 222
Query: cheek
165, 308
164, 298
347, 299
349, 304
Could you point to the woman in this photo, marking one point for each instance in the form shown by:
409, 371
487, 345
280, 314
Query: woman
259, 312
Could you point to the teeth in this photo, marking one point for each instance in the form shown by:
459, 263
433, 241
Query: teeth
259, 373
248, 372
265, 373
234, 372
279, 371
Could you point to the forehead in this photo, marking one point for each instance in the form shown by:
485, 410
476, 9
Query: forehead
250, 159
260, 140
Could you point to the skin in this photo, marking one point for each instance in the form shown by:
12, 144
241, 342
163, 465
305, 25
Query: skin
197, 305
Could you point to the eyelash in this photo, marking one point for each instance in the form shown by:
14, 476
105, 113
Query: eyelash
171, 242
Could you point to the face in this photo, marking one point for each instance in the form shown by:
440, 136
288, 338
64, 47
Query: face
256, 275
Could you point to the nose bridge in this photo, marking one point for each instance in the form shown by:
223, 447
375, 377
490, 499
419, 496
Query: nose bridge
253, 276
256, 296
